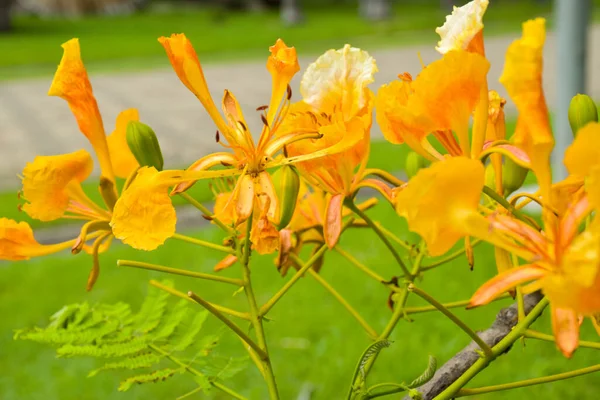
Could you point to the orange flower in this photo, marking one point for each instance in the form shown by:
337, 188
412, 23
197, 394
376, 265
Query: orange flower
52, 184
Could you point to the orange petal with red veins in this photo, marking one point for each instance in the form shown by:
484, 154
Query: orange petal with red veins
333, 220
565, 325
505, 281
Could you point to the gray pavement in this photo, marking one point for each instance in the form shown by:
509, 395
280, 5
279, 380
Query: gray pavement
31, 123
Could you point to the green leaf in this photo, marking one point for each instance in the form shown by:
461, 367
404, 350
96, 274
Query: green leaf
152, 309
223, 367
426, 375
144, 360
156, 376
187, 337
371, 352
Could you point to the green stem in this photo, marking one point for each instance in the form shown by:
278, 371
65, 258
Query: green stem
504, 203
257, 317
403, 243
549, 338
359, 265
449, 257
206, 212
175, 271
184, 296
195, 372
528, 382
204, 243
425, 296
370, 331
386, 176
479, 365
396, 388
454, 304
350, 204
236, 329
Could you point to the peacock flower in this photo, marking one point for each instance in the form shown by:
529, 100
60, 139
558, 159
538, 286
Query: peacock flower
463, 29
52, 185
249, 160
337, 102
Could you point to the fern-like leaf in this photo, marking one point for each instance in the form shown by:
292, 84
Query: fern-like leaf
176, 316
371, 352
133, 346
143, 360
152, 309
156, 376
187, 336
426, 375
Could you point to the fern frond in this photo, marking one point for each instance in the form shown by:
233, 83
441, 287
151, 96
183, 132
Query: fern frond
426, 375
223, 367
133, 346
156, 376
143, 360
187, 337
152, 310
176, 316
371, 352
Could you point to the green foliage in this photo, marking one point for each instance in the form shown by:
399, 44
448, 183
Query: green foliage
141, 341
371, 352
426, 375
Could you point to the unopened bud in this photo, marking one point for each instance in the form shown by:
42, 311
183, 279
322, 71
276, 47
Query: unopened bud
490, 176
287, 186
582, 111
513, 176
143, 143
415, 162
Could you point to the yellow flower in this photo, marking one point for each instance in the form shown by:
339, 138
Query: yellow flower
451, 88
522, 78
463, 29
52, 184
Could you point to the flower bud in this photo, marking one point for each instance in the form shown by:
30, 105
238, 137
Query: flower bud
414, 162
144, 146
513, 176
287, 186
490, 177
582, 110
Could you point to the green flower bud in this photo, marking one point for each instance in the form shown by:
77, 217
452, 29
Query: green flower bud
287, 187
490, 176
415, 162
582, 111
513, 176
143, 143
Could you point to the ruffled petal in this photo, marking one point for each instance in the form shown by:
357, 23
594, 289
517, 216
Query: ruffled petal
462, 26
144, 216
17, 242
46, 183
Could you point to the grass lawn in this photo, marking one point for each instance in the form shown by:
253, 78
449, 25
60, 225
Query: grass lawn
313, 340
126, 42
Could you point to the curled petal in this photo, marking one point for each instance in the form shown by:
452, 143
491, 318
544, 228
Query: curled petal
268, 197
46, 183
17, 242
522, 78
123, 161
205, 163
264, 235
462, 26
244, 198
185, 62
565, 326
225, 263
438, 201
282, 65
332, 228
144, 217
505, 281
338, 80
72, 84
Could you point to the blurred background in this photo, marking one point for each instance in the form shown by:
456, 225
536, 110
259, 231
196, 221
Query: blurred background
128, 68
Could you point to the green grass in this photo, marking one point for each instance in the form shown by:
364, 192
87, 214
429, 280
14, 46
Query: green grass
312, 339
129, 42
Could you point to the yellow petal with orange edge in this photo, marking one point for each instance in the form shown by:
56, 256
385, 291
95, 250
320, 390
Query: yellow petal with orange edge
46, 181
338, 80
451, 87
185, 62
282, 64
393, 116
123, 161
462, 26
522, 78
144, 217
565, 326
504, 282
17, 242
438, 201
72, 84
583, 154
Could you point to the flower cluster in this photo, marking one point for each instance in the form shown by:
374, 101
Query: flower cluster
296, 183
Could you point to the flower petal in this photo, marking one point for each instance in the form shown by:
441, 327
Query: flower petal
46, 181
185, 62
462, 27
338, 80
123, 161
17, 242
282, 64
144, 217
244, 198
72, 84
565, 326
505, 281
225, 263
332, 228
522, 78
583, 154
438, 201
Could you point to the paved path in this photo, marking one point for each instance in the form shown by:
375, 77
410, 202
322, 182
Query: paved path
32, 123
